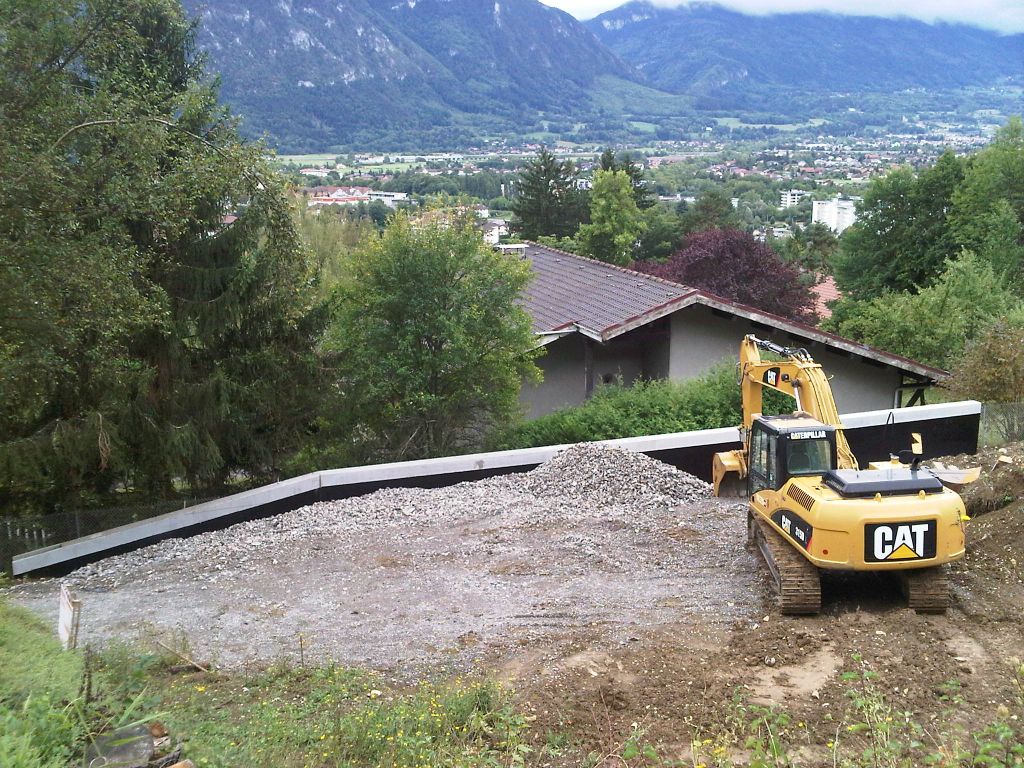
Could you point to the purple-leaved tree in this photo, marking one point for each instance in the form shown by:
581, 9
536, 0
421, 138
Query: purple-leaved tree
733, 265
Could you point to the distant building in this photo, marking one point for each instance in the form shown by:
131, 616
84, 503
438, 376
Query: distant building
791, 198
494, 230
837, 214
322, 196
390, 199
824, 292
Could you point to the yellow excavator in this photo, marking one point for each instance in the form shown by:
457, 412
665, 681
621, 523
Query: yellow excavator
812, 508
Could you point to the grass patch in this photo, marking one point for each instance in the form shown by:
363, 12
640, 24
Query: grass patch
311, 159
52, 702
625, 97
643, 127
295, 717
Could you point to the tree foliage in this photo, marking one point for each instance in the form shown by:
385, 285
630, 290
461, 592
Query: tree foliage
731, 264
933, 325
615, 221
994, 178
646, 408
713, 209
662, 233
143, 339
810, 249
624, 162
548, 201
431, 347
992, 370
902, 237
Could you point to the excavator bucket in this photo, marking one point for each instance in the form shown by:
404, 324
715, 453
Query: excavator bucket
955, 479
728, 471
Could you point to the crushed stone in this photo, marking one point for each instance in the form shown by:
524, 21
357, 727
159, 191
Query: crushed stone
584, 479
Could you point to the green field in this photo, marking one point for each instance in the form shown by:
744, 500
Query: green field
736, 122
644, 127
314, 159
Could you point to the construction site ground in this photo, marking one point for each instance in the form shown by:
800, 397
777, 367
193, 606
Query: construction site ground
605, 622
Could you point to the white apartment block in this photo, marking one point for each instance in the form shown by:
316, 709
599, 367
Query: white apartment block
837, 214
791, 198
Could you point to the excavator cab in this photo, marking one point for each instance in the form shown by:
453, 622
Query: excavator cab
785, 446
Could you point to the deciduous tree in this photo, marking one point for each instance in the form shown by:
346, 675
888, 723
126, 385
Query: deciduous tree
431, 345
935, 324
992, 370
731, 264
902, 237
994, 175
713, 209
624, 162
615, 221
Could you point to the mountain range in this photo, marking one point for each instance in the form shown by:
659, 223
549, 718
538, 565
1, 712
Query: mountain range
319, 72
341, 74
703, 47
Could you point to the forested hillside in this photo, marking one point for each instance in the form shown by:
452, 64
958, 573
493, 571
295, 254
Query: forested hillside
435, 74
316, 74
705, 49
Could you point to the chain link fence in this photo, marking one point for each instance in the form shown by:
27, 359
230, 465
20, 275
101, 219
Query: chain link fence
20, 535
1001, 423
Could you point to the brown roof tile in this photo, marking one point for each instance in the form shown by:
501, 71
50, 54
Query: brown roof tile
606, 300
571, 289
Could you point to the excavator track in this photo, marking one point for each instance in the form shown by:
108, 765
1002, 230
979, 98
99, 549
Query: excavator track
926, 589
797, 581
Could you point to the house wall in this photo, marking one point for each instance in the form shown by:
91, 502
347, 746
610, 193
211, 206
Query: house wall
619, 360
565, 380
644, 353
685, 346
700, 338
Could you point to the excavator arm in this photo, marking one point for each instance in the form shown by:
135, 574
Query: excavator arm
798, 376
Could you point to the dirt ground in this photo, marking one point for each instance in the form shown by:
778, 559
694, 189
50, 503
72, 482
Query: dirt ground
602, 624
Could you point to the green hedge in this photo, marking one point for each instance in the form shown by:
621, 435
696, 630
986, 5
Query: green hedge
646, 408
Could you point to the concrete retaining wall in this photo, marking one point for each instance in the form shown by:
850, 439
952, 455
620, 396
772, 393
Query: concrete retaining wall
948, 428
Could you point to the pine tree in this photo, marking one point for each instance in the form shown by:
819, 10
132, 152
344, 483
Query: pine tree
548, 202
151, 341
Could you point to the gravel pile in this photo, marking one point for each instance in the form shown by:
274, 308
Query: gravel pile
586, 479
612, 476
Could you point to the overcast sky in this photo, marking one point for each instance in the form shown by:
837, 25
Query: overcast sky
1004, 15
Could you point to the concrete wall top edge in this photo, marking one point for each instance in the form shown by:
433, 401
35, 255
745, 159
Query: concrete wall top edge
202, 513
901, 415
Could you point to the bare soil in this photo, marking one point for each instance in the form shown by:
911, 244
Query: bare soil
602, 624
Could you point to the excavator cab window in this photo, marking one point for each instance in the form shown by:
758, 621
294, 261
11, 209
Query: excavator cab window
809, 457
763, 469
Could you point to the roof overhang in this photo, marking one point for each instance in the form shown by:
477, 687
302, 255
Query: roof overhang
925, 373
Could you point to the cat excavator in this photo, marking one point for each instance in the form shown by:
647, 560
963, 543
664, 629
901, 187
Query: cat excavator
811, 507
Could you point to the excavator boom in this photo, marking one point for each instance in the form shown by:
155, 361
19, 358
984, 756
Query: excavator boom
797, 376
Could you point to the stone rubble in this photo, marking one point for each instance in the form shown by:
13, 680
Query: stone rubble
586, 480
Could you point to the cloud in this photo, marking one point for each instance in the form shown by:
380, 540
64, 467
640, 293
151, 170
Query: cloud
1001, 15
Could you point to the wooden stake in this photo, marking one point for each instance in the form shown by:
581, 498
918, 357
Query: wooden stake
183, 657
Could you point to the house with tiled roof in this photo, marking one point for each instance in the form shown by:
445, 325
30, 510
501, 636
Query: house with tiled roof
825, 291
600, 323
